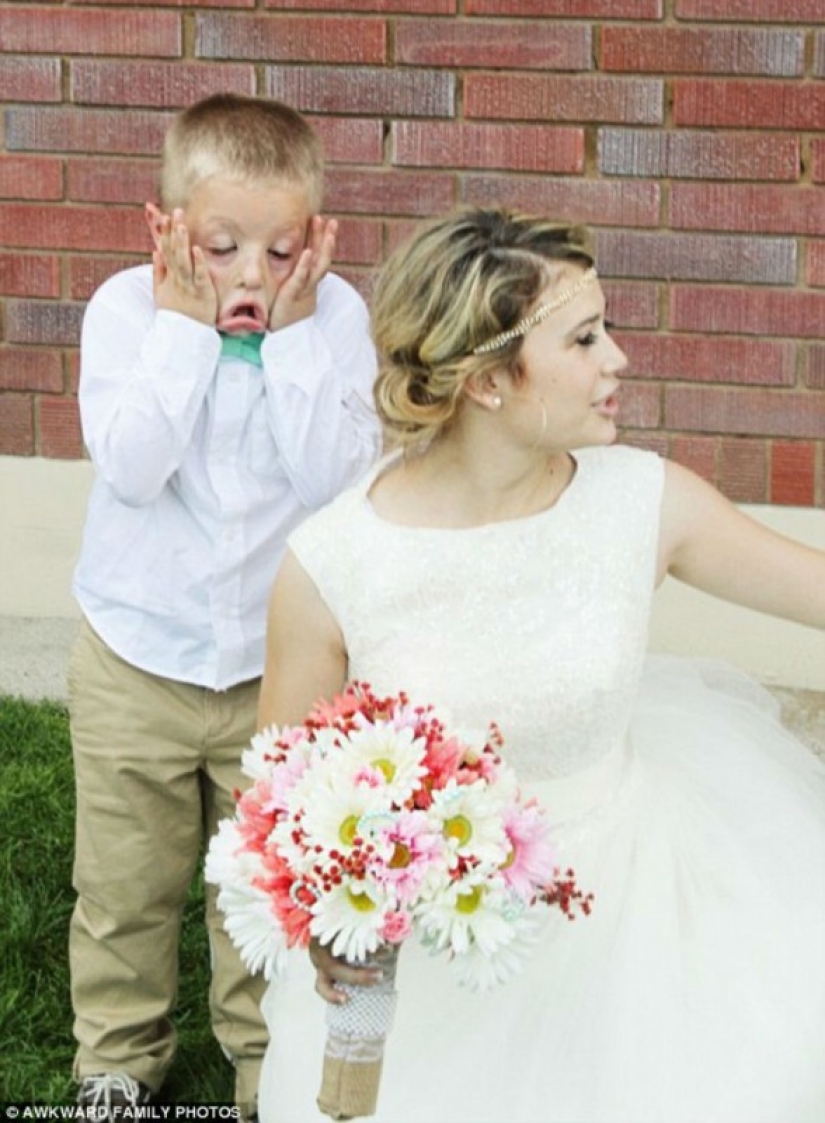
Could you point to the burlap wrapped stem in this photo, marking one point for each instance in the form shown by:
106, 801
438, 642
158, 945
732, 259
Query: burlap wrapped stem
354, 1051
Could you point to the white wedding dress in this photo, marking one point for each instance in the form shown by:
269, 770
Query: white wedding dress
695, 992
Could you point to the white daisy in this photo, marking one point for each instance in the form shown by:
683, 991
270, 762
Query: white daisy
471, 912
472, 822
480, 970
350, 918
332, 813
394, 756
253, 928
227, 859
249, 919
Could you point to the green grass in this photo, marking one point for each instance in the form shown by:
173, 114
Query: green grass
36, 900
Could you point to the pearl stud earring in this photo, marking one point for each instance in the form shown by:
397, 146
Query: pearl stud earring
495, 401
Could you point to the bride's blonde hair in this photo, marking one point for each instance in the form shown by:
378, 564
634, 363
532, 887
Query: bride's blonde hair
456, 284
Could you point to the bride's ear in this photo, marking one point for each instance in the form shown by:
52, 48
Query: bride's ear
485, 389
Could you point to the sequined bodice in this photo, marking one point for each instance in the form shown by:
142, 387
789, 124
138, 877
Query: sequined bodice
538, 623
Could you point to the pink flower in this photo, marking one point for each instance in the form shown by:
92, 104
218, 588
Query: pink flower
397, 927
408, 850
283, 779
256, 819
442, 761
532, 861
369, 776
291, 901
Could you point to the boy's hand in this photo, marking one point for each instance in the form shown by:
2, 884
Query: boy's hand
181, 279
297, 297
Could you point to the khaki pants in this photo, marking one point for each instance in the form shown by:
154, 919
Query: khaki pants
156, 764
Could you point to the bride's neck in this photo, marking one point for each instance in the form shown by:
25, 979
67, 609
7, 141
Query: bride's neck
452, 484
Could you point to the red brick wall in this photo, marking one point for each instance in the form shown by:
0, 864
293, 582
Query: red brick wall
690, 133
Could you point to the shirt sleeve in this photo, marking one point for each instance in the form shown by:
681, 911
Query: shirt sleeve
319, 375
144, 375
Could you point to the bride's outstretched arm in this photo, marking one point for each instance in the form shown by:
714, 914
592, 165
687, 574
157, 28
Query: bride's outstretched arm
305, 655
708, 542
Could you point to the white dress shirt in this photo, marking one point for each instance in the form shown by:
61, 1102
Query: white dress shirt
203, 467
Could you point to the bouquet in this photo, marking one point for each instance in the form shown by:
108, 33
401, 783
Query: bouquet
366, 825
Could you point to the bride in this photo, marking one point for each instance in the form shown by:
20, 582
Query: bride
500, 565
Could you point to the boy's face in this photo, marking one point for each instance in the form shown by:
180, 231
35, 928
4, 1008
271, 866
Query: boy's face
251, 234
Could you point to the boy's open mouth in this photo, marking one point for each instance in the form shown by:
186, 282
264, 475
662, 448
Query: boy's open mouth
246, 316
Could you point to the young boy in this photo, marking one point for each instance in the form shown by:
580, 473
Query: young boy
225, 392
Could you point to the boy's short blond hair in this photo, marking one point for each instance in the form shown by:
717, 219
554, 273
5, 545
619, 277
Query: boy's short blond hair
244, 138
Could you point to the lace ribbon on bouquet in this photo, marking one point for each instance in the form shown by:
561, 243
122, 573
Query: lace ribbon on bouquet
354, 1051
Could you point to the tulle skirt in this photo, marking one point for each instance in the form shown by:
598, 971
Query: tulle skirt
694, 993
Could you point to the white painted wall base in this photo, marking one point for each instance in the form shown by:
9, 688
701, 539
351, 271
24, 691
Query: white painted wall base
43, 504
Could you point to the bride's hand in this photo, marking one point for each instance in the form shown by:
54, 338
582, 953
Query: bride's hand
329, 971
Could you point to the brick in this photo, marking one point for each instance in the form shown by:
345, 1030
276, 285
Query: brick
816, 264
771, 209
769, 312
818, 161
632, 305
43, 321
760, 11
652, 442
166, 3
743, 470
697, 453
778, 413
674, 50
398, 193
121, 229
578, 9
580, 200
819, 54
31, 177
691, 358
793, 473
29, 274
291, 39
115, 181
348, 140
30, 79
361, 279
479, 43
27, 368
87, 272
694, 154
531, 97
59, 425
709, 257
399, 231
155, 84
359, 242
364, 90
640, 405
530, 148
815, 363
16, 425
73, 369
748, 104
126, 131
60, 31
406, 7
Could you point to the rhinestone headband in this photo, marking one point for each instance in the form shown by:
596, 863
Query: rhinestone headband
523, 326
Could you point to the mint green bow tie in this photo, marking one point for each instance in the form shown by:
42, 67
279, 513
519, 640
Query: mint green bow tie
246, 347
